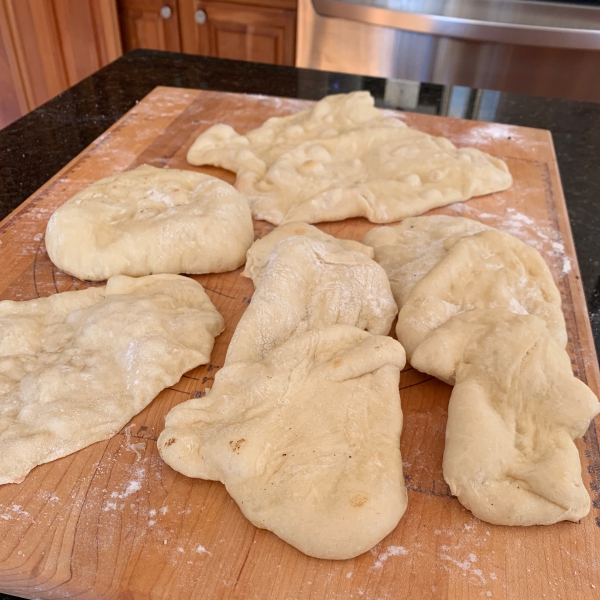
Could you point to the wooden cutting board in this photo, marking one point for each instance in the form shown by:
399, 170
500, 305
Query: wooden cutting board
113, 521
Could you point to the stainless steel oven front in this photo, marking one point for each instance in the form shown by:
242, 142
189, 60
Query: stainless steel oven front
530, 46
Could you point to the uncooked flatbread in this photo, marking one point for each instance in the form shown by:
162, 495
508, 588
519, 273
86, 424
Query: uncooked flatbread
306, 440
310, 284
490, 269
151, 220
259, 253
513, 413
303, 422
343, 158
408, 251
76, 366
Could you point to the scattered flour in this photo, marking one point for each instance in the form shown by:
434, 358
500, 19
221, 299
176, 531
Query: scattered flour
202, 550
132, 487
466, 566
15, 511
391, 551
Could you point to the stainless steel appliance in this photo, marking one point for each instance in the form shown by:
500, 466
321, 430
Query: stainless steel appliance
544, 48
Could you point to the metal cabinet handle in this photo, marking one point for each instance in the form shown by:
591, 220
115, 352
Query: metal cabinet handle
200, 17
166, 12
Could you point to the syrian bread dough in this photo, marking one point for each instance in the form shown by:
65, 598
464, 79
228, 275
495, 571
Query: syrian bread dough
75, 367
408, 251
306, 440
343, 158
490, 269
513, 413
259, 253
303, 422
151, 220
310, 284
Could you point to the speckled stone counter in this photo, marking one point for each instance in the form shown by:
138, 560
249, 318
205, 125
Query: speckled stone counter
35, 147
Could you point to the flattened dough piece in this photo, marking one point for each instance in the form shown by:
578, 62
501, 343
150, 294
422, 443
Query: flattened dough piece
151, 220
343, 158
303, 422
76, 366
311, 284
512, 417
490, 269
410, 250
306, 439
259, 253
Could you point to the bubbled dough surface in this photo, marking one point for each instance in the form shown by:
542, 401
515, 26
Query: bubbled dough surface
342, 158
303, 422
151, 220
513, 413
490, 269
76, 366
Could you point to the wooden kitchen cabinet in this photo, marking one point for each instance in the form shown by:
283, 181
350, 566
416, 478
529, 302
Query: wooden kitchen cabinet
150, 24
257, 30
48, 45
239, 31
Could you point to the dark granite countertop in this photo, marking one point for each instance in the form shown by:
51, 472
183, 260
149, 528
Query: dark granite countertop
39, 144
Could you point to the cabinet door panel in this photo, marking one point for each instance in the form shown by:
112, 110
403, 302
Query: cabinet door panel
89, 35
48, 45
144, 26
239, 31
39, 65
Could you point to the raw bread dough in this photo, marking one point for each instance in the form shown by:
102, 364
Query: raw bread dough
408, 251
514, 411
305, 440
490, 269
310, 284
258, 256
75, 367
303, 422
151, 220
343, 158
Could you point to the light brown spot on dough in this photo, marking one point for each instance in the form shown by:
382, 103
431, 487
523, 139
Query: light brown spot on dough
359, 500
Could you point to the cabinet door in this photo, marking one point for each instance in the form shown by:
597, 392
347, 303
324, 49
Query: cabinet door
46, 46
238, 31
149, 24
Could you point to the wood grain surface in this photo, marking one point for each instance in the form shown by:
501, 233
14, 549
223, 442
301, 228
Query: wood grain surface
113, 521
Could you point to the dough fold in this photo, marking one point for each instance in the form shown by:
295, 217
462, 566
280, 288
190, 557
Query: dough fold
458, 265
309, 284
259, 253
77, 366
479, 310
343, 158
303, 422
513, 414
305, 440
151, 220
